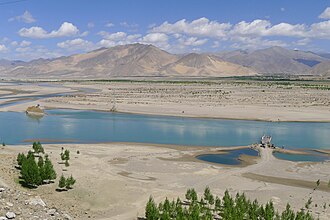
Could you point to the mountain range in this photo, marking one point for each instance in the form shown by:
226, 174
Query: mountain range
147, 60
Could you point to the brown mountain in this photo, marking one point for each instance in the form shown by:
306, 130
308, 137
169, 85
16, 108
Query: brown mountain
147, 60
126, 60
275, 60
205, 65
322, 69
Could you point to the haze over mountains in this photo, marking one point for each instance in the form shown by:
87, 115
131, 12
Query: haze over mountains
147, 60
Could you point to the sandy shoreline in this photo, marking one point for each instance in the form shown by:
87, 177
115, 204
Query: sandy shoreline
114, 180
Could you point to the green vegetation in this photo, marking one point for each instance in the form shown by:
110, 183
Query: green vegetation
65, 156
66, 183
33, 172
210, 207
37, 147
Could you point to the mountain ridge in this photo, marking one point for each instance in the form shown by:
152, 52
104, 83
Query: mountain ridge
148, 60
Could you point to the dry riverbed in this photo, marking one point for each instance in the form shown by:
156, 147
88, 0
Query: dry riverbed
114, 180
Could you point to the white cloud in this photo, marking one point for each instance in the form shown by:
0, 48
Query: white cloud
255, 43
265, 28
14, 43
288, 30
192, 41
67, 29
157, 39
320, 30
255, 32
26, 17
121, 38
198, 27
84, 34
25, 43
325, 14
216, 44
90, 25
127, 25
118, 38
36, 52
109, 24
76, 44
23, 49
303, 42
131, 27
3, 48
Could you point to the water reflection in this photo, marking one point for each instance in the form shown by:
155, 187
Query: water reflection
35, 117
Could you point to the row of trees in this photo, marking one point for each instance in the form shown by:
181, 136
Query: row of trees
210, 207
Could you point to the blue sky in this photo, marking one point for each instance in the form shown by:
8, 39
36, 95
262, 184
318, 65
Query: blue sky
32, 29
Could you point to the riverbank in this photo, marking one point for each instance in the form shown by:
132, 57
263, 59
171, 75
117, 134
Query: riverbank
115, 180
248, 100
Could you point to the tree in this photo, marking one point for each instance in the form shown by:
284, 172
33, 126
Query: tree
37, 148
191, 195
70, 181
20, 159
208, 196
62, 182
41, 166
50, 173
40, 162
288, 214
308, 203
66, 155
217, 204
30, 172
152, 212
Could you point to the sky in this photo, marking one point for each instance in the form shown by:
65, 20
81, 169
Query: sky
32, 29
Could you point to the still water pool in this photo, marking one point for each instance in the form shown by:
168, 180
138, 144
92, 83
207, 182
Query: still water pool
229, 158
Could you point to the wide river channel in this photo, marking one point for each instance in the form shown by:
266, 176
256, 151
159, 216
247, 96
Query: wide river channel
92, 126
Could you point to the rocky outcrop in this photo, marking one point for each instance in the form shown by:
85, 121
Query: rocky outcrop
15, 204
